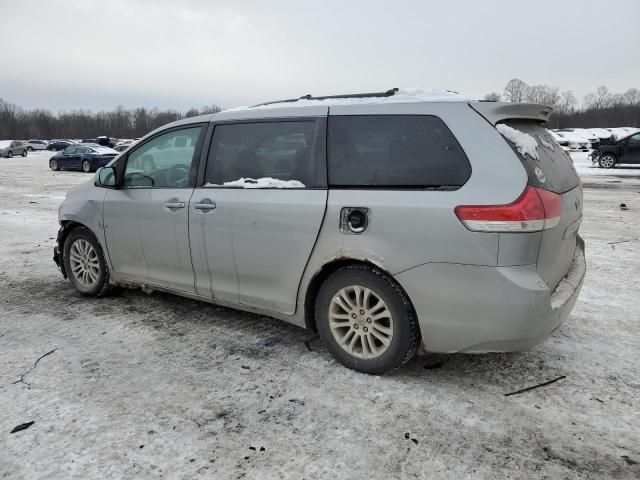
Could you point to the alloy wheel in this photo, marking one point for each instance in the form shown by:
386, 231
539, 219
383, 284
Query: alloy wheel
607, 161
360, 322
84, 262
86, 166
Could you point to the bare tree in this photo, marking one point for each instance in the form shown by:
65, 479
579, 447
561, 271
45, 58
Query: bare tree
631, 97
515, 90
493, 97
598, 100
543, 94
567, 103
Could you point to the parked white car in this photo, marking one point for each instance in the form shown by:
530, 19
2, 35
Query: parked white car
36, 145
574, 141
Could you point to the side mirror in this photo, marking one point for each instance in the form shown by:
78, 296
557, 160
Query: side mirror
106, 177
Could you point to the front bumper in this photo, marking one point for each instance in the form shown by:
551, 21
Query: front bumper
57, 253
478, 309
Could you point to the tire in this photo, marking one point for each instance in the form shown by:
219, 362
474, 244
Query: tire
607, 160
10, 154
53, 165
25, 152
85, 264
396, 324
30, 149
86, 166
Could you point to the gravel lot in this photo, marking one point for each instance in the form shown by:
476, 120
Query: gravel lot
156, 386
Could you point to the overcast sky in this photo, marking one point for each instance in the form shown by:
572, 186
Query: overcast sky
67, 54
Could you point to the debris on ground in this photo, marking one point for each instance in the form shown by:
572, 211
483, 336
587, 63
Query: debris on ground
22, 426
543, 384
21, 379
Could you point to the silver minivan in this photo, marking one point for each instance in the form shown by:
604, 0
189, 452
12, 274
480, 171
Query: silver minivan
389, 223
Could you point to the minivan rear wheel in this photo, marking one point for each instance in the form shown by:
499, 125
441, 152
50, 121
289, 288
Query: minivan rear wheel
366, 320
85, 264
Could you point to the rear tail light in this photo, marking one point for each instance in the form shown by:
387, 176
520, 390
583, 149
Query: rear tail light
535, 210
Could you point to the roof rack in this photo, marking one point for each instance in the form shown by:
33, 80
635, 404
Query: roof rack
308, 96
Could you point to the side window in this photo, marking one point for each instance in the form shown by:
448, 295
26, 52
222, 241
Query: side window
394, 151
70, 150
635, 138
263, 155
164, 161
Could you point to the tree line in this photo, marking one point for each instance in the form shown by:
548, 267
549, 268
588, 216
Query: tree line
19, 123
601, 108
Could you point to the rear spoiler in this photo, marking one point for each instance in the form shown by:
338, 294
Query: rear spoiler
495, 112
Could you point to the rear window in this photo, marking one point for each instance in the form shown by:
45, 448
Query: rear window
553, 170
394, 151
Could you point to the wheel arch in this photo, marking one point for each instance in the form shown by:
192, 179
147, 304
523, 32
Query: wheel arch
66, 226
323, 273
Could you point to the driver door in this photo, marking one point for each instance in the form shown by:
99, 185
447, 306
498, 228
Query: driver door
632, 150
71, 158
146, 221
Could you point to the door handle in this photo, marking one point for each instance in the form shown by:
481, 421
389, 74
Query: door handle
205, 207
174, 204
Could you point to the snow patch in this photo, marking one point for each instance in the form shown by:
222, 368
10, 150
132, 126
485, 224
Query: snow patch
403, 95
264, 182
524, 142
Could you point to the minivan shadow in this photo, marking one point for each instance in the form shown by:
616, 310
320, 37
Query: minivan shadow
267, 338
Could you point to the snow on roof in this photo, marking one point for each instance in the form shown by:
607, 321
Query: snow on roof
101, 149
524, 142
403, 95
5, 143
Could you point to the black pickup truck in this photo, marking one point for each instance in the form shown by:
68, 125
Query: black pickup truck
623, 150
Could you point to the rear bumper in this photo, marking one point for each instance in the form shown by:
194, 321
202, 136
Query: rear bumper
476, 309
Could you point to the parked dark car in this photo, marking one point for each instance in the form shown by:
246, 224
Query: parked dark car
107, 141
624, 150
9, 148
81, 157
57, 145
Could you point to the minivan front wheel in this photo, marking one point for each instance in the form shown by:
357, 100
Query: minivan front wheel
85, 264
366, 320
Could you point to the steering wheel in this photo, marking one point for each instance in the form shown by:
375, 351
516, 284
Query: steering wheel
178, 175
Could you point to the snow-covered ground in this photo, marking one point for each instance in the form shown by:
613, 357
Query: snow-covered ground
157, 386
585, 167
